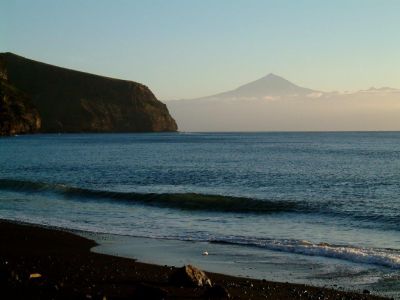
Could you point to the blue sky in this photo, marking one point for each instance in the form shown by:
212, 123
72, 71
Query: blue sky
185, 49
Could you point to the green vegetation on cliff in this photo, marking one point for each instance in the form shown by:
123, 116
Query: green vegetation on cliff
73, 101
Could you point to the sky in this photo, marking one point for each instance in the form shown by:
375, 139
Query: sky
188, 49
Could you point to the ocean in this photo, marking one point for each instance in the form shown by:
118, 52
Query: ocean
315, 208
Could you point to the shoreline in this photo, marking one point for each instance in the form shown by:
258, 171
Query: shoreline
70, 270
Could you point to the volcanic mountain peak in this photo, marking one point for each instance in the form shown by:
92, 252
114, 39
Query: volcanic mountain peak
269, 85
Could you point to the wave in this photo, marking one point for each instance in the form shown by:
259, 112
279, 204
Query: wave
183, 201
382, 257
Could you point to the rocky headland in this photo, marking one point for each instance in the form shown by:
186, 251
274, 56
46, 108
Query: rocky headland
38, 97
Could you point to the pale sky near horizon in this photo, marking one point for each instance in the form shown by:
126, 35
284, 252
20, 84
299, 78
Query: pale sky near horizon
188, 49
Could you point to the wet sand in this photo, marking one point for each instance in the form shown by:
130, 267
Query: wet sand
69, 270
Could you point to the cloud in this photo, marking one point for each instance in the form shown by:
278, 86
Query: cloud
315, 95
270, 98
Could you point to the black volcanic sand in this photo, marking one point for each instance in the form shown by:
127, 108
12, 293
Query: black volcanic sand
70, 271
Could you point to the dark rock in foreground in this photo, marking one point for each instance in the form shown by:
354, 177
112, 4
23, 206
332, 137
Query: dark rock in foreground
189, 276
72, 101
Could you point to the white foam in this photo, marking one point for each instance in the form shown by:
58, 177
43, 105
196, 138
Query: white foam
383, 257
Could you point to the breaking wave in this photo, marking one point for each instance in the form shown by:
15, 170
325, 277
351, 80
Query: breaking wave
382, 257
183, 201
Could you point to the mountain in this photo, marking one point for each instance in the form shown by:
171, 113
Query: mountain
270, 85
73, 101
273, 103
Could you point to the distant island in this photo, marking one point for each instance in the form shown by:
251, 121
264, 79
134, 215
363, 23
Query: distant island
38, 97
273, 103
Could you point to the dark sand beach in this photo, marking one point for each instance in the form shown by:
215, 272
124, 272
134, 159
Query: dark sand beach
69, 270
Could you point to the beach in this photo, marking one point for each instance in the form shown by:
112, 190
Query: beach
69, 270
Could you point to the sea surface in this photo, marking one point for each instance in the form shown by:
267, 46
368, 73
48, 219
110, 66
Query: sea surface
317, 208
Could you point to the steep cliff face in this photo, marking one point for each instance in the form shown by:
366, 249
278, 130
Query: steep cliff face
73, 101
17, 114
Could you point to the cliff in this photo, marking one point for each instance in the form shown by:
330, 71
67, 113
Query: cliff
74, 101
17, 114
